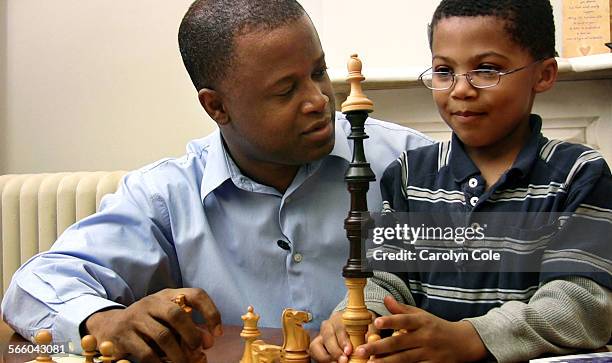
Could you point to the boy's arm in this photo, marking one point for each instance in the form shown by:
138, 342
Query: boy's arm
563, 315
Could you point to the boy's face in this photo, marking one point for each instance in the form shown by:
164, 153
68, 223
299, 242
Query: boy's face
278, 97
482, 117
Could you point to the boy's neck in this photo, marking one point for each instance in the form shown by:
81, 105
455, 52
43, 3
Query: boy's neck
494, 160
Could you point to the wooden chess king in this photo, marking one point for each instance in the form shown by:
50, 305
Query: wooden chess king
358, 176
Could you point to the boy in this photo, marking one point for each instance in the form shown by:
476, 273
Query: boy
490, 59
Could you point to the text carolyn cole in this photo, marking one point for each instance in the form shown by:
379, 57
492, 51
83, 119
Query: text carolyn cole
427, 255
410, 234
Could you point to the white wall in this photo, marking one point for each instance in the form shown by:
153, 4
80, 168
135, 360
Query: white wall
3, 91
99, 84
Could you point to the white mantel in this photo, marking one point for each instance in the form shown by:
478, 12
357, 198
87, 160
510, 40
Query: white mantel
577, 109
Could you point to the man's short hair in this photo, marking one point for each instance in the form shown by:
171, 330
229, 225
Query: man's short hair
529, 23
209, 29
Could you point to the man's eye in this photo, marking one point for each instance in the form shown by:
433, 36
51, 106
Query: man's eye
320, 73
287, 92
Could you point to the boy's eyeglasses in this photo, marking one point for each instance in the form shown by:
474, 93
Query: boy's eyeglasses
478, 78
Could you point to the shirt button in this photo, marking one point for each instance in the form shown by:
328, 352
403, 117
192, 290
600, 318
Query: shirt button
297, 257
473, 201
473, 183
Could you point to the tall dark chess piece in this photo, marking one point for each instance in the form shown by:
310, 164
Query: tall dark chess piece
356, 317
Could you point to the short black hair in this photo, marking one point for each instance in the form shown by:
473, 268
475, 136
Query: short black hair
529, 23
209, 28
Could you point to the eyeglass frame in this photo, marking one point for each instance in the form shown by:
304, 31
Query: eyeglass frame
467, 76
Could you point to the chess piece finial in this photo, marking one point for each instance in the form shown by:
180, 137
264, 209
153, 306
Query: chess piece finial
249, 333
181, 301
357, 100
89, 344
43, 337
107, 349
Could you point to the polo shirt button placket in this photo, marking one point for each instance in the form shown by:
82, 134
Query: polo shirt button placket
473, 201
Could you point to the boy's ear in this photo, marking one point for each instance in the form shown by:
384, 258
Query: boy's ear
213, 103
547, 75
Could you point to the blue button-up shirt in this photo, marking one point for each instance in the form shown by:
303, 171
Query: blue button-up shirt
197, 221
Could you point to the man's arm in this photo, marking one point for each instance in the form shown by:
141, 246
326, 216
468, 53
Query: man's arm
104, 262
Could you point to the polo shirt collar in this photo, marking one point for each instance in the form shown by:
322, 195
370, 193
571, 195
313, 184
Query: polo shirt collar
462, 167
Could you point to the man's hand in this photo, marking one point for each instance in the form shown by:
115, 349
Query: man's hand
156, 323
428, 338
333, 344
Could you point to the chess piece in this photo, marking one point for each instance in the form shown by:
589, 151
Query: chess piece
107, 349
123, 361
371, 339
89, 344
399, 332
249, 333
43, 337
181, 301
296, 339
356, 317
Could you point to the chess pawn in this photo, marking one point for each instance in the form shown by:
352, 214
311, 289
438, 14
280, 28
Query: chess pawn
89, 344
43, 337
107, 349
371, 339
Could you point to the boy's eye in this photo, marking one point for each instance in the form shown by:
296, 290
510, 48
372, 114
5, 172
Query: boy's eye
490, 67
443, 69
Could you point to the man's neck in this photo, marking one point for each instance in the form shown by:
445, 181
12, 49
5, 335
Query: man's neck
277, 176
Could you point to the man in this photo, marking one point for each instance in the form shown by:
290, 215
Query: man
252, 214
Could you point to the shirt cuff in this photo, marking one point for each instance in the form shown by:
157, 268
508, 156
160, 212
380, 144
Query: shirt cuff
70, 316
497, 333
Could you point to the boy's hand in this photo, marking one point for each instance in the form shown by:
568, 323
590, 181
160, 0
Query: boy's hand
333, 343
429, 338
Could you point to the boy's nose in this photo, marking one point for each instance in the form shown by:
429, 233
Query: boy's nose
463, 88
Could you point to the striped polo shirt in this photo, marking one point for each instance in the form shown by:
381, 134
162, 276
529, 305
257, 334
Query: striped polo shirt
549, 181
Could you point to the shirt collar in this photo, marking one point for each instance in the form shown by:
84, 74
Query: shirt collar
220, 166
462, 167
216, 171
342, 129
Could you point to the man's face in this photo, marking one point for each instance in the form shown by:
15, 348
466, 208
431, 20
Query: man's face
482, 117
279, 98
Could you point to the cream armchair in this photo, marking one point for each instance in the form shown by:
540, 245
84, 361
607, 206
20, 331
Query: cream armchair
36, 208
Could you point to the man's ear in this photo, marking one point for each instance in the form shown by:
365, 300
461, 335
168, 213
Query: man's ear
547, 75
213, 103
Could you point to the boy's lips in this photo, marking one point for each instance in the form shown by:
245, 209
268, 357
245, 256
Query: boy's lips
467, 113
